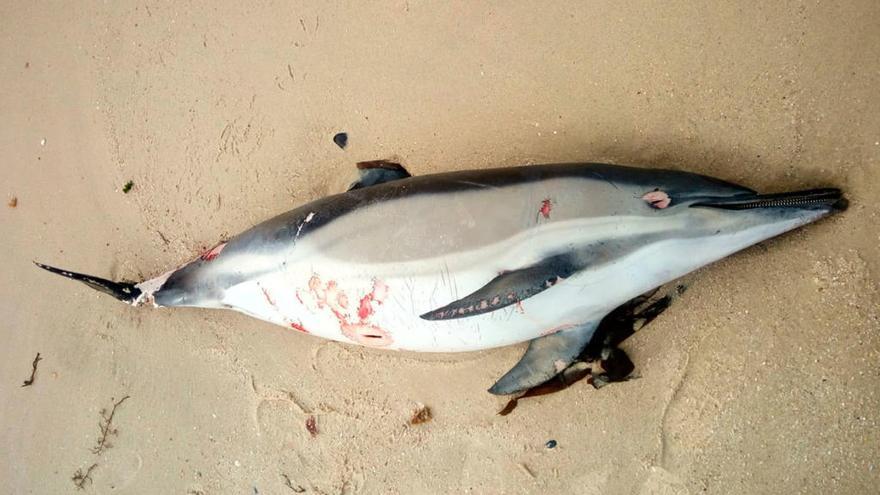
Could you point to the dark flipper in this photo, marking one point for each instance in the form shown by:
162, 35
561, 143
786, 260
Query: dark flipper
123, 291
616, 366
508, 288
627, 319
616, 327
378, 172
545, 358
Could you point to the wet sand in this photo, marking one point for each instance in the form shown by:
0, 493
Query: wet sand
762, 378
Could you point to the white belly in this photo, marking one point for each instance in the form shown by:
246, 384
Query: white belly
349, 307
380, 305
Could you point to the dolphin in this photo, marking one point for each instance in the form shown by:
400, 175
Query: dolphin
477, 259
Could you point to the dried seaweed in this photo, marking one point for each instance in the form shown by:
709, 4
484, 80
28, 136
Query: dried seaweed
421, 414
107, 429
30, 381
289, 484
80, 478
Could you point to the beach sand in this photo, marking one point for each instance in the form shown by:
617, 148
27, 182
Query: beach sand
762, 378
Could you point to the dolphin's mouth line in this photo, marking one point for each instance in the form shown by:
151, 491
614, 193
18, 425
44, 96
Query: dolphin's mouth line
826, 197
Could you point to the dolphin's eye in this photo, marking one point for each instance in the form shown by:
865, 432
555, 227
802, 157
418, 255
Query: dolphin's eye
657, 199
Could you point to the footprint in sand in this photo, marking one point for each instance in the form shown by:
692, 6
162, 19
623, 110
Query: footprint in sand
119, 468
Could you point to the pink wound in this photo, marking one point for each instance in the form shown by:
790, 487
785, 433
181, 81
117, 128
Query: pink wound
546, 208
213, 252
657, 199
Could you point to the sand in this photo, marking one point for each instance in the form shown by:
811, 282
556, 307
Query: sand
762, 378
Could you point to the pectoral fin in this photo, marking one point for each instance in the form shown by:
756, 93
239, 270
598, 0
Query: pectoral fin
378, 172
545, 358
508, 288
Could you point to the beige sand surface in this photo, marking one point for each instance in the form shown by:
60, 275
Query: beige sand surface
762, 378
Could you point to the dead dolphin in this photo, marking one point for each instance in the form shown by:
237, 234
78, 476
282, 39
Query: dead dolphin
476, 259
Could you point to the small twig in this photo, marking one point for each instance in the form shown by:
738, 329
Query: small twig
80, 478
30, 381
106, 427
289, 484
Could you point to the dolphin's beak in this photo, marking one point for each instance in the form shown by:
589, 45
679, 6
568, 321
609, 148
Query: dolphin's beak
826, 198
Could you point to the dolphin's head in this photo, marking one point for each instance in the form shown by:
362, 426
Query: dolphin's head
731, 217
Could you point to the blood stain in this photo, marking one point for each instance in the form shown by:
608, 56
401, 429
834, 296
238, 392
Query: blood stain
213, 252
546, 208
337, 301
378, 294
298, 327
365, 309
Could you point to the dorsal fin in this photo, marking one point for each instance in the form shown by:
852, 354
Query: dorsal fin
378, 172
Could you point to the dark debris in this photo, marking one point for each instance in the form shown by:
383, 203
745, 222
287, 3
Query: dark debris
421, 414
30, 381
312, 426
107, 429
80, 478
341, 140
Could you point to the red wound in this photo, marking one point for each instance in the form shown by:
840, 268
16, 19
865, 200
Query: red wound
546, 208
212, 253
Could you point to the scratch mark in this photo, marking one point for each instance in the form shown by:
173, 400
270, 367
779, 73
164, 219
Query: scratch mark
477, 184
602, 177
308, 219
410, 289
433, 293
452, 282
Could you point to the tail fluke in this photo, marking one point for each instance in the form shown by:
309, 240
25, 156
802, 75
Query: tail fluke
125, 292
